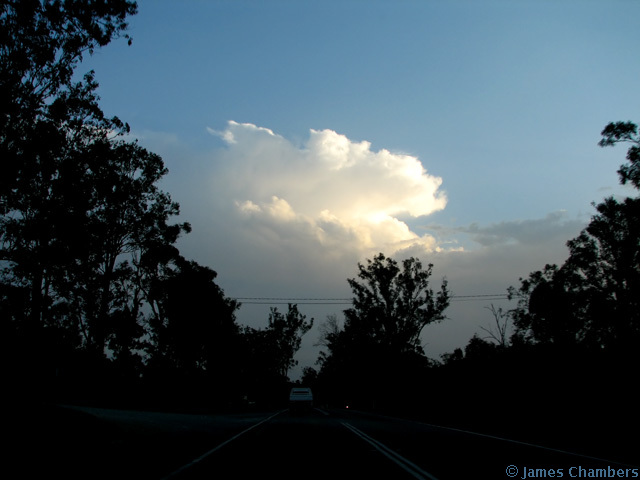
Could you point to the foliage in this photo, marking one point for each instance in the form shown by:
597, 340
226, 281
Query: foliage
626, 132
193, 324
272, 349
285, 332
548, 309
392, 305
606, 259
41, 44
592, 300
79, 204
379, 344
575, 325
53, 141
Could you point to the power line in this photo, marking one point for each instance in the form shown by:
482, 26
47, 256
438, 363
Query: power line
294, 302
289, 298
349, 301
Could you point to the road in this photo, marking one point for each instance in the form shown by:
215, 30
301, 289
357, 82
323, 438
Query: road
317, 444
336, 445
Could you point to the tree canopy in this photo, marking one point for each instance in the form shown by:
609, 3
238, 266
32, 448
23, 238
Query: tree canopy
625, 132
41, 44
392, 305
84, 228
380, 341
592, 300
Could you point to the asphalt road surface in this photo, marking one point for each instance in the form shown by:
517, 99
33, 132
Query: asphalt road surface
336, 445
317, 444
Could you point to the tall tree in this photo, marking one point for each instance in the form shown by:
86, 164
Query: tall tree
285, 332
379, 344
193, 323
270, 351
79, 205
606, 259
392, 305
550, 308
48, 121
593, 298
127, 216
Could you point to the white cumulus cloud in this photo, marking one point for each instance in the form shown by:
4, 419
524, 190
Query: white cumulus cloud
330, 193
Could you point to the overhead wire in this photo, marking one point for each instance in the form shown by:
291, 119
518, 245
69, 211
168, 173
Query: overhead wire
348, 301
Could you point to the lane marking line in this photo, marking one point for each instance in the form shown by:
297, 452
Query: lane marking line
218, 447
508, 440
519, 442
406, 464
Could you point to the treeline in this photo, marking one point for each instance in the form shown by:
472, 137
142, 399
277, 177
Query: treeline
96, 301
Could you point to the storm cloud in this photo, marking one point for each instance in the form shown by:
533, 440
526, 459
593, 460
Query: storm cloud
331, 193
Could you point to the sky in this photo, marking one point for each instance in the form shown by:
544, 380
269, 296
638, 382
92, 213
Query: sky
303, 137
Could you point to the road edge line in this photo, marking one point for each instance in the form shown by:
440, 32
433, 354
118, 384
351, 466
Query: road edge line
218, 447
495, 437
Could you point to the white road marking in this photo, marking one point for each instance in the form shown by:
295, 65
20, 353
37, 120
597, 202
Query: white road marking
542, 447
508, 440
407, 465
215, 449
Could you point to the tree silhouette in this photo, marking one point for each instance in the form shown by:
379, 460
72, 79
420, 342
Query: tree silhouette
285, 332
549, 308
267, 354
86, 207
501, 318
81, 215
606, 258
391, 306
575, 325
625, 132
194, 325
593, 298
272, 349
41, 44
379, 345
52, 137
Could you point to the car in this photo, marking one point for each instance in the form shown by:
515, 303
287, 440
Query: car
300, 398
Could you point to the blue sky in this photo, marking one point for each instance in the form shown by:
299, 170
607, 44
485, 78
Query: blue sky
301, 136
